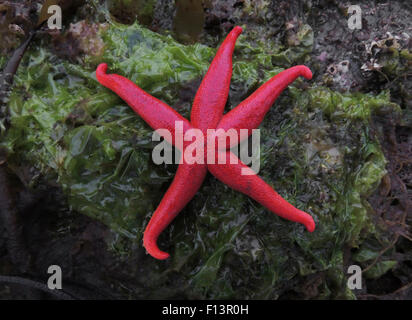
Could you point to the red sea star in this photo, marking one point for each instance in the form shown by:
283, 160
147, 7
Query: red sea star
207, 113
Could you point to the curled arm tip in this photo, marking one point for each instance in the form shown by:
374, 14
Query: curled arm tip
310, 224
237, 30
101, 69
101, 74
305, 72
150, 244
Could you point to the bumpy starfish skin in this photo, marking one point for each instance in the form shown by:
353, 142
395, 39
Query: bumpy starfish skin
156, 113
252, 185
251, 111
211, 97
207, 113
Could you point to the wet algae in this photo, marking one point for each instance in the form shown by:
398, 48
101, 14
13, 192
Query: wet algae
317, 151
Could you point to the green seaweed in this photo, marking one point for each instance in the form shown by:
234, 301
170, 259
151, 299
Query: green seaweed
316, 151
380, 269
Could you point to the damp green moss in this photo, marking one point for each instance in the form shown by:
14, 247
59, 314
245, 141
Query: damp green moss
317, 152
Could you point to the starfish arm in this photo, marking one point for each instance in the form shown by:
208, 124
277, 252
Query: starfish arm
188, 179
211, 97
156, 113
233, 172
251, 111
